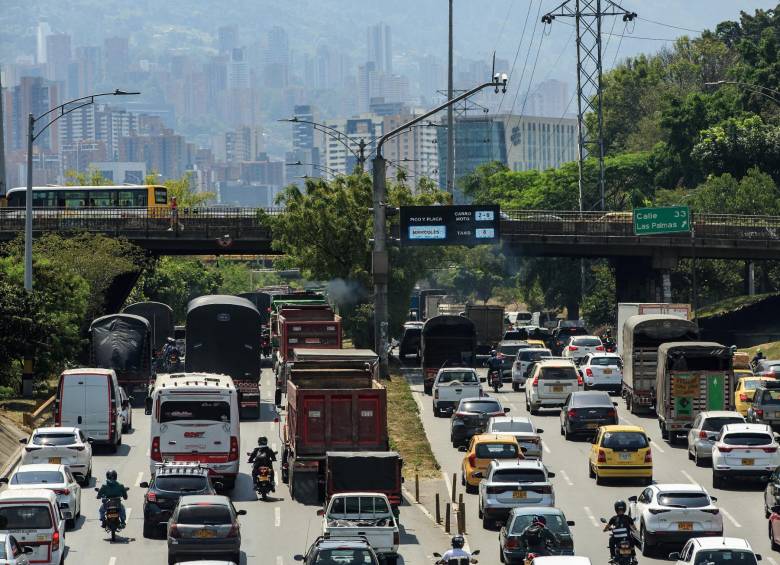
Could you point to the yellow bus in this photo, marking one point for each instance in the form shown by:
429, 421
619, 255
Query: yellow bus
151, 197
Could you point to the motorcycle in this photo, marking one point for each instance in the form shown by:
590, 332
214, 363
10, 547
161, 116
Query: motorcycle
624, 549
263, 484
112, 523
609, 345
456, 560
494, 378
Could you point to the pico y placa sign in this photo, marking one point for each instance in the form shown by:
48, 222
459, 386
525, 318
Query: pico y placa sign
671, 219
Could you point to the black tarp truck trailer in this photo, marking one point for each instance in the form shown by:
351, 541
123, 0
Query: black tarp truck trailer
123, 342
364, 471
446, 340
160, 318
222, 337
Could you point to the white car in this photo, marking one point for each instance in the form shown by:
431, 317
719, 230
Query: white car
65, 446
56, 478
12, 552
561, 560
550, 383
744, 450
579, 346
451, 385
127, 410
524, 431
602, 371
523, 361
673, 513
510, 483
735, 551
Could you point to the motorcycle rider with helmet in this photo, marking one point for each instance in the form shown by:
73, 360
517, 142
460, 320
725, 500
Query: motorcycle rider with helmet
457, 551
112, 489
537, 538
263, 456
620, 520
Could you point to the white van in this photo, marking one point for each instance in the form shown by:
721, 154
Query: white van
35, 520
195, 418
89, 399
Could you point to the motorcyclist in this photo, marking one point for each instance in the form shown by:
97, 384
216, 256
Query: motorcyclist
112, 489
757, 357
619, 520
168, 350
494, 362
457, 551
537, 538
263, 456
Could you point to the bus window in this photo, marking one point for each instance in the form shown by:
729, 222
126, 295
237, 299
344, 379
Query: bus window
160, 195
132, 198
43, 199
74, 199
101, 198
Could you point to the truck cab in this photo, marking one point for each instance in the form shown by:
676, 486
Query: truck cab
366, 514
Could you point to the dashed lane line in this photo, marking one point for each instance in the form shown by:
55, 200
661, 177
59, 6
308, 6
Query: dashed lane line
277, 516
139, 478
771, 560
591, 517
128, 513
689, 477
730, 518
279, 560
566, 478
546, 449
656, 446
112, 561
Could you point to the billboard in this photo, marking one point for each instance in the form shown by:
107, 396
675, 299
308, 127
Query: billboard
450, 225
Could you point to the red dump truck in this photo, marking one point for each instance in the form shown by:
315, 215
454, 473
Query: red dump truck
332, 406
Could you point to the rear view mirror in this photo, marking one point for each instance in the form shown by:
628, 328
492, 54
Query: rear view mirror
570, 522
298, 557
241, 512
321, 512
439, 554
632, 499
475, 552
463, 449
539, 431
23, 440
90, 439
477, 475
4, 481
482, 379
551, 474
143, 484
602, 520
218, 485
506, 411
615, 404
714, 498
28, 550
758, 557
674, 556
148, 406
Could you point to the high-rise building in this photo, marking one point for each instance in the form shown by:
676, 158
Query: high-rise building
58, 56
413, 152
237, 70
303, 133
42, 32
432, 78
277, 59
335, 156
85, 71
227, 38
167, 154
380, 47
367, 78
116, 58
34, 95
241, 144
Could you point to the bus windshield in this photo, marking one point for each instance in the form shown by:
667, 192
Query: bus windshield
185, 410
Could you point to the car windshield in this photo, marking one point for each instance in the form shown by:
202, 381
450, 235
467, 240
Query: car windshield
751, 384
534, 354
514, 334
178, 410
715, 424
25, 518
512, 426
683, 499
747, 438
210, 514
64, 438
460, 376
3, 552
37, 477
606, 361
624, 440
725, 557
480, 406
519, 476
344, 556
559, 373
770, 397
359, 505
511, 350
555, 522
178, 483
591, 400
496, 450
586, 341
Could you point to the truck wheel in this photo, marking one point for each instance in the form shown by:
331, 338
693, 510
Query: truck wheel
436, 412
665, 433
516, 388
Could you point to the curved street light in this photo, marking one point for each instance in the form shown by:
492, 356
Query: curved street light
323, 168
754, 88
337, 135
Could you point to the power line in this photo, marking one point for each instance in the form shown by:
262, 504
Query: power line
517, 52
671, 26
503, 24
527, 56
631, 36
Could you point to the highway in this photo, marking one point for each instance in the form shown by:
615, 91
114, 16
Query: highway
272, 532
579, 496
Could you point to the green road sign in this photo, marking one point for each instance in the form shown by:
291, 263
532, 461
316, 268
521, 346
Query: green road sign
673, 219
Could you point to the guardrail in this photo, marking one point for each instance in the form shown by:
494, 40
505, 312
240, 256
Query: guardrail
32, 419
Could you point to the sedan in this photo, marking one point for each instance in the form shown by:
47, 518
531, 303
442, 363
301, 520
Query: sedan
585, 412
511, 550
673, 514
471, 416
11, 553
704, 432
65, 446
57, 478
204, 526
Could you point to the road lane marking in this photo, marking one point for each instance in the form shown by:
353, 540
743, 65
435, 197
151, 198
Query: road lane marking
687, 476
140, 478
566, 478
658, 447
112, 561
591, 517
277, 516
730, 518
448, 484
128, 512
279, 560
546, 449
771, 560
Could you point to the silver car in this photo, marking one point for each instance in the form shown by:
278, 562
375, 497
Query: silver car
526, 434
509, 484
704, 432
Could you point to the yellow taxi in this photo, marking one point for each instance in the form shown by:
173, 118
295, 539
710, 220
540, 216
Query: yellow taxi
536, 343
482, 449
745, 391
621, 452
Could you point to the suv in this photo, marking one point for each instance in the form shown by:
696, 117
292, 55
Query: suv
579, 346
716, 550
561, 335
344, 551
602, 371
170, 482
525, 358
766, 404
744, 450
507, 352
509, 484
550, 383
204, 527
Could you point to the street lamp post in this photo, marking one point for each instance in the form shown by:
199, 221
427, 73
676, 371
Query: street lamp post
380, 260
333, 133
323, 168
31, 137
764, 91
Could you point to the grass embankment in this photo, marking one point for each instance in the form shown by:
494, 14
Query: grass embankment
407, 435
729, 304
770, 350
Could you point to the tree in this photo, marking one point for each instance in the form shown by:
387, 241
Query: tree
599, 307
186, 194
91, 177
473, 273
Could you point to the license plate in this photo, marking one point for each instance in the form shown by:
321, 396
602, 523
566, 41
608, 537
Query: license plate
202, 534
592, 425
607, 371
519, 494
748, 461
685, 526
624, 456
112, 515
625, 551
55, 460
557, 389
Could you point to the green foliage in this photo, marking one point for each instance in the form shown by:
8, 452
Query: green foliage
92, 177
473, 274
183, 190
599, 307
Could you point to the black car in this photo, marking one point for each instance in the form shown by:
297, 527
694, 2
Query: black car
585, 411
347, 551
561, 335
471, 416
169, 483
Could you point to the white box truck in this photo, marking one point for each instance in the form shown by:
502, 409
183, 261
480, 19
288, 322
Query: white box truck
628, 309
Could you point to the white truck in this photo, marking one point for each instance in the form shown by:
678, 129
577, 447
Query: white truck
453, 384
628, 309
363, 514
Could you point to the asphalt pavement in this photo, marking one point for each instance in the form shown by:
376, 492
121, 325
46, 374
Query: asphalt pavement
272, 532
581, 499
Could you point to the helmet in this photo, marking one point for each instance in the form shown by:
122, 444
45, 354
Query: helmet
111, 475
493, 352
458, 542
759, 352
262, 441
170, 340
540, 520
620, 505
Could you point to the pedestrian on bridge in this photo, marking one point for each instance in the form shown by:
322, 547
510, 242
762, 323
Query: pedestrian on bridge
174, 215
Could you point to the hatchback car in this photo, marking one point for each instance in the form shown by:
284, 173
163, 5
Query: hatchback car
560, 337
550, 383
744, 450
621, 452
579, 346
511, 548
508, 484
745, 392
483, 449
11, 553
66, 446
528, 436
716, 551
471, 416
204, 526
765, 408
170, 482
56, 478
584, 412
704, 430
673, 514
341, 551
525, 358
602, 371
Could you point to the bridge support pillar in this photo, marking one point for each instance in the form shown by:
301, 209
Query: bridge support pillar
644, 279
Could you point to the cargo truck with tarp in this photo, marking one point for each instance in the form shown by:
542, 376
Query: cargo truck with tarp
222, 337
446, 340
123, 342
691, 377
160, 318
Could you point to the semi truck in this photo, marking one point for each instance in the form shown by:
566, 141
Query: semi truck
691, 377
446, 340
334, 406
628, 309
